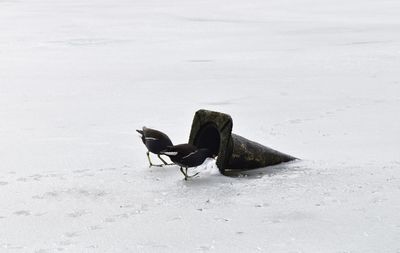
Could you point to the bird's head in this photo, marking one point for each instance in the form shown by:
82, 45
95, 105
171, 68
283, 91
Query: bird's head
141, 134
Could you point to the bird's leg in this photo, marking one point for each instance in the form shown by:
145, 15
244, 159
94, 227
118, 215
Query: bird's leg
148, 157
151, 164
165, 163
186, 176
194, 175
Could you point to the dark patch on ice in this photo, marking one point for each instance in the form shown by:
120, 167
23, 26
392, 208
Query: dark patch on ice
95, 227
85, 175
221, 20
151, 244
296, 121
39, 177
46, 195
78, 213
326, 30
367, 42
3, 183
43, 251
205, 248
74, 192
175, 219
221, 219
36, 177
200, 61
260, 205
109, 220
11, 246
65, 242
89, 41
81, 171
292, 216
107, 169
71, 234
22, 213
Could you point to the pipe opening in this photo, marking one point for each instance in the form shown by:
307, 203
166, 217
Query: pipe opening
208, 137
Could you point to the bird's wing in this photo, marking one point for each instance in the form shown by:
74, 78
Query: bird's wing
169, 153
149, 132
190, 154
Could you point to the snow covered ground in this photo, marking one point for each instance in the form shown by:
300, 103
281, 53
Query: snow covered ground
318, 80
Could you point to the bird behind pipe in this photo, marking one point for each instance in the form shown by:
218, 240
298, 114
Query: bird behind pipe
187, 156
155, 141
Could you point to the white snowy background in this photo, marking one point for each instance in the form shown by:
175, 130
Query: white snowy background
319, 80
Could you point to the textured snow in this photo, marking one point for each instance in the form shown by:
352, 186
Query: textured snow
315, 79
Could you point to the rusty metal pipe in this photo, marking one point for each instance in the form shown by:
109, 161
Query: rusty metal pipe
213, 130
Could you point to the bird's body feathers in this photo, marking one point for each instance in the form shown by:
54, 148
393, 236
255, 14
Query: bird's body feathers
154, 140
187, 155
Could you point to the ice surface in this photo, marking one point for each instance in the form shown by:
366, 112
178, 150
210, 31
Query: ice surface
315, 79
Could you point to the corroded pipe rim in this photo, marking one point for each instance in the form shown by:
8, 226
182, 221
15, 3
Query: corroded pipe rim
223, 123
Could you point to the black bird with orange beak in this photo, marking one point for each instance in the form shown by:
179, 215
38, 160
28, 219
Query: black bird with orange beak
187, 156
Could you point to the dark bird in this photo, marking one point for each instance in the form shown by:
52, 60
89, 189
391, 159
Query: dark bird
155, 142
187, 156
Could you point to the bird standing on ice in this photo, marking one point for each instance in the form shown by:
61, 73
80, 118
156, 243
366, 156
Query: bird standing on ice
187, 156
155, 142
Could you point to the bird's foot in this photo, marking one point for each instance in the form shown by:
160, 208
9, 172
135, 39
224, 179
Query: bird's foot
164, 162
184, 173
192, 176
155, 165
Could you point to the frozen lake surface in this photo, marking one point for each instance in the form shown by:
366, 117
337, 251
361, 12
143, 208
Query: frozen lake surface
317, 80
